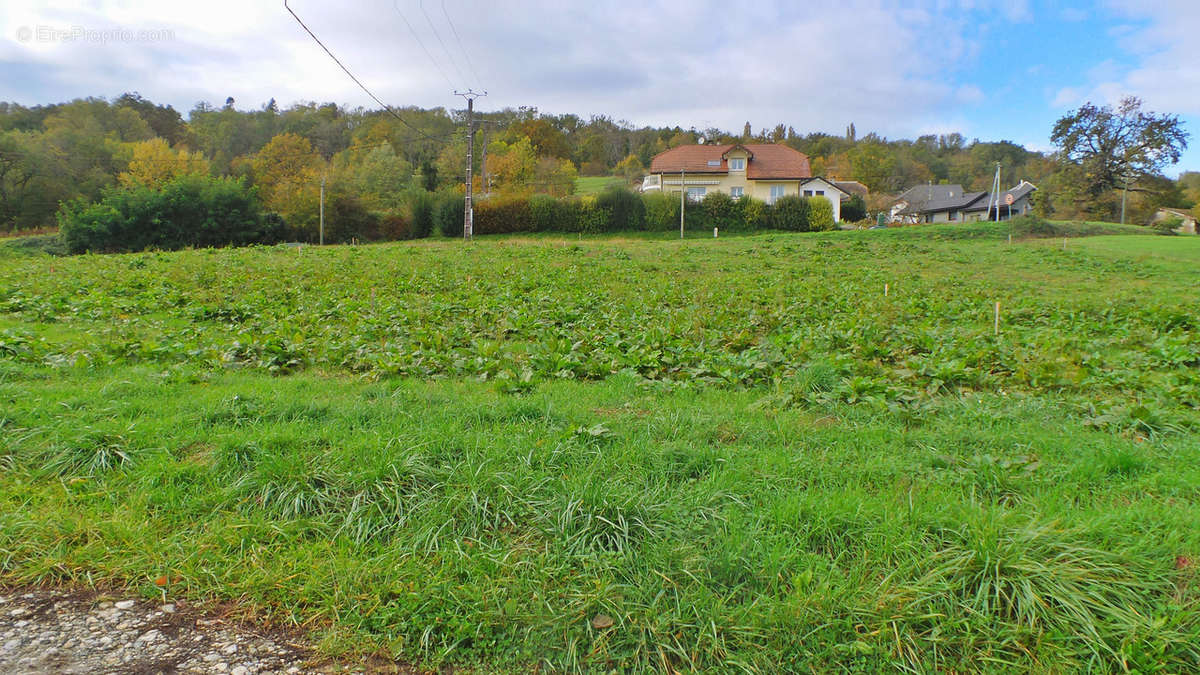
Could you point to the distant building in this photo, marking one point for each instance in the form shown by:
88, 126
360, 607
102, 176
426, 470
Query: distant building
761, 170
952, 204
1187, 224
852, 187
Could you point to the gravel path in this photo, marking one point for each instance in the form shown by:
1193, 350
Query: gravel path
77, 632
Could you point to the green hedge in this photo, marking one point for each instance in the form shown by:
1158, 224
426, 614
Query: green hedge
191, 210
790, 213
620, 210
448, 213
203, 211
421, 209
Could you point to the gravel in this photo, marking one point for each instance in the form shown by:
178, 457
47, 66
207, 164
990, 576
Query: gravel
76, 632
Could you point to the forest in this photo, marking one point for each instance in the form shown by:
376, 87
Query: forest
379, 166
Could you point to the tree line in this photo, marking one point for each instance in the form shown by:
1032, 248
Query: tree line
377, 166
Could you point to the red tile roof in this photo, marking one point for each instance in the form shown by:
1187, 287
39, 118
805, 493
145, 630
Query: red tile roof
769, 161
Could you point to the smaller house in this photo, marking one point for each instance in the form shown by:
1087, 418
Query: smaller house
852, 187
952, 204
1187, 221
819, 187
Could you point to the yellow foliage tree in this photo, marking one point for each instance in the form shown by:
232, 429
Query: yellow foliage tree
513, 164
154, 162
287, 172
631, 167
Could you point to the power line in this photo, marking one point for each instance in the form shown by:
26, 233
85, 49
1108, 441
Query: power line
396, 6
436, 34
351, 75
461, 48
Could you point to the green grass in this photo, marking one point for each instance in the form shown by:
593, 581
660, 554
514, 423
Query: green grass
590, 185
739, 450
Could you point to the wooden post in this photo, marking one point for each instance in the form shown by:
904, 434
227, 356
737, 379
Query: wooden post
997, 322
682, 200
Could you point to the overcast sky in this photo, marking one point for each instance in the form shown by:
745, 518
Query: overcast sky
990, 70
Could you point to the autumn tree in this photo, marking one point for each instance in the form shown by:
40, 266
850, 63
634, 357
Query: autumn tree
287, 172
376, 175
1116, 147
554, 176
513, 164
154, 162
631, 168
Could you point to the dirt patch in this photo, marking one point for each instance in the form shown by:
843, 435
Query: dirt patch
81, 631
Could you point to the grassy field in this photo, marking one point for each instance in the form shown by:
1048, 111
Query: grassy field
628, 454
590, 185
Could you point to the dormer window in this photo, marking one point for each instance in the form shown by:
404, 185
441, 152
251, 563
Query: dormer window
737, 163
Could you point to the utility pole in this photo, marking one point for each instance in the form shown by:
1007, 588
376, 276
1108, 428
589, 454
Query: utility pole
682, 200
322, 234
995, 196
468, 212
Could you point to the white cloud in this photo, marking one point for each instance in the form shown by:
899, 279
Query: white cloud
1161, 38
885, 67
969, 94
1073, 14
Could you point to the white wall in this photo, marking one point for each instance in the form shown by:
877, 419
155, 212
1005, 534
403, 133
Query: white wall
832, 193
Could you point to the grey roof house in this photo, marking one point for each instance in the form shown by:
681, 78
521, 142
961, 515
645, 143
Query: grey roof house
952, 204
1187, 222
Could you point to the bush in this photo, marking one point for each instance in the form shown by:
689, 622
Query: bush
722, 211
662, 211
622, 209
421, 206
587, 216
503, 215
820, 214
548, 214
191, 210
854, 209
754, 213
790, 213
347, 218
394, 226
448, 213
1032, 225
1167, 225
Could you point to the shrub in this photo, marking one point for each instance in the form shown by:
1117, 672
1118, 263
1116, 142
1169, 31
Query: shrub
662, 211
854, 209
347, 218
191, 210
394, 226
696, 217
1167, 225
790, 213
548, 214
622, 209
1032, 225
754, 213
820, 214
421, 205
503, 215
722, 211
588, 216
448, 213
